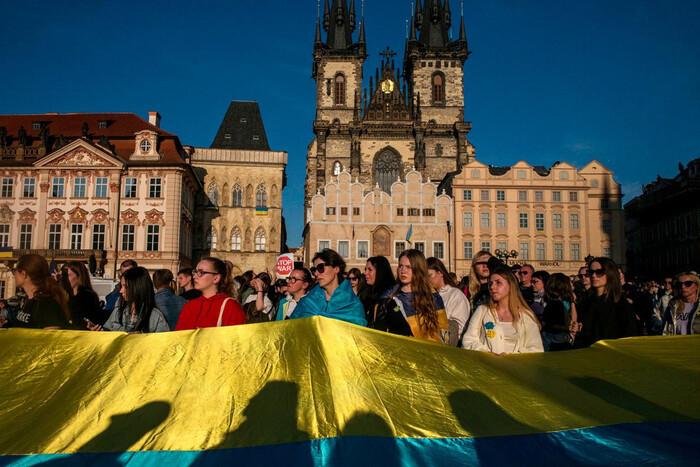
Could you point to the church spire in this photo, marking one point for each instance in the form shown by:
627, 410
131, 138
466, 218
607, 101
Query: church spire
462, 33
352, 15
341, 23
326, 17
448, 14
419, 15
433, 30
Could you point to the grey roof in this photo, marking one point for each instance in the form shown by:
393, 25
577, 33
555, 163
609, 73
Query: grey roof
498, 171
242, 128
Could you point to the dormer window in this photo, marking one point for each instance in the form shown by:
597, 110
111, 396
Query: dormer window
256, 137
145, 146
227, 135
36, 126
243, 120
102, 124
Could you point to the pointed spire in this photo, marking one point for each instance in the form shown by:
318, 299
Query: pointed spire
412, 36
448, 14
352, 15
326, 16
317, 39
361, 39
462, 33
419, 15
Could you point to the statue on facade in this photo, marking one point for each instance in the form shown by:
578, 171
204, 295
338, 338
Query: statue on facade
85, 129
3, 136
22, 136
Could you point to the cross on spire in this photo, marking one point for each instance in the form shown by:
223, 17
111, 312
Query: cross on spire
387, 53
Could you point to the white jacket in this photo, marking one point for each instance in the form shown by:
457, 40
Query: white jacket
484, 333
457, 307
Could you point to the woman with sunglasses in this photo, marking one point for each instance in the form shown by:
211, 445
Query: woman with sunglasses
413, 308
605, 314
216, 306
332, 297
47, 303
298, 285
379, 279
355, 278
137, 311
682, 315
456, 304
505, 324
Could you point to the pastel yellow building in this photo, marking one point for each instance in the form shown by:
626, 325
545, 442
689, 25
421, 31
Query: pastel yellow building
552, 217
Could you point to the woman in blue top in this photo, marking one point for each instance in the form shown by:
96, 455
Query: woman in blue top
332, 296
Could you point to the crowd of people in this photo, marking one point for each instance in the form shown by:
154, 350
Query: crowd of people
496, 308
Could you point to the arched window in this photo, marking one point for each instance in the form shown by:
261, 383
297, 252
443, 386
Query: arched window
213, 193
387, 168
260, 240
339, 90
438, 149
336, 168
261, 197
438, 88
236, 239
237, 196
211, 239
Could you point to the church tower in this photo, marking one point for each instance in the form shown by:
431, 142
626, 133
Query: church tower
434, 69
337, 69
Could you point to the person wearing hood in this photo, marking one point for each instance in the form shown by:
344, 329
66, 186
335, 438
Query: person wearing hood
332, 297
456, 303
215, 307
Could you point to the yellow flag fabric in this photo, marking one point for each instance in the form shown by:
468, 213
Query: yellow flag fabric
319, 391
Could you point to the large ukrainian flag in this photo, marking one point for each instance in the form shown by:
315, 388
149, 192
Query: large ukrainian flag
317, 391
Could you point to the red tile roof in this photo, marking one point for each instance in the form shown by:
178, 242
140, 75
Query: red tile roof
120, 131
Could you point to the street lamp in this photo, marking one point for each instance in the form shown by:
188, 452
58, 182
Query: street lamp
449, 250
505, 254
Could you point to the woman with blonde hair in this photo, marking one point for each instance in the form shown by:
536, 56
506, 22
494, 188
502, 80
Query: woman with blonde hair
682, 315
413, 307
505, 324
478, 279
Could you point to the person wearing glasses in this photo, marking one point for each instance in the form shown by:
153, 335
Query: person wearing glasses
682, 315
413, 308
605, 314
456, 304
379, 279
216, 306
46, 306
298, 285
478, 279
663, 298
136, 311
355, 278
332, 296
505, 324
525, 277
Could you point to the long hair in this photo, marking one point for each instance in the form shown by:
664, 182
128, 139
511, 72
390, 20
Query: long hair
308, 278
81, 271
384, 275
223, 269
423, 299
244, 284
37, 270
474, 281
437, 265
559, 286
613, 286
139, 296
333, 259
680, 304
516, 303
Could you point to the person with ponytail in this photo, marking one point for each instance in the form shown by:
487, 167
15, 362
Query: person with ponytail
136, 311
413, 307
47, 303
505, 324
216, 306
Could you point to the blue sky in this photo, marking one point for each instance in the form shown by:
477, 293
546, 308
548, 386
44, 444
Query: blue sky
548, 80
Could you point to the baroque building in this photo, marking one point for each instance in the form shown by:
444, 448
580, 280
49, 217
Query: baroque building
663, 225
552, 217
408, 119
359, 223
239, 211
108, 183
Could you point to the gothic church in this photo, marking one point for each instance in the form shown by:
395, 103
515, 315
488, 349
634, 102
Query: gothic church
408, 118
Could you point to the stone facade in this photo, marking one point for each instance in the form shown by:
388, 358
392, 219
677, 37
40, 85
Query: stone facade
360, 224
553, 217
239, 214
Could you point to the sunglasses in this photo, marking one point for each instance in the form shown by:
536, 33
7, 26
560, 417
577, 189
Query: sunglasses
201, 272
481, 263
687, 284
581, 276
294, 280
319, 268
353, 278
597, 272
523, 273
668, 282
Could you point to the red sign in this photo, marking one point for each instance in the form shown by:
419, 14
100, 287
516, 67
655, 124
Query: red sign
285, 265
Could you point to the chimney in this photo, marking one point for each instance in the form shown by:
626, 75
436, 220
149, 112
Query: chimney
154, 119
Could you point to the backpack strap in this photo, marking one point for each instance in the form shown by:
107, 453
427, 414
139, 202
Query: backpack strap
221, 312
